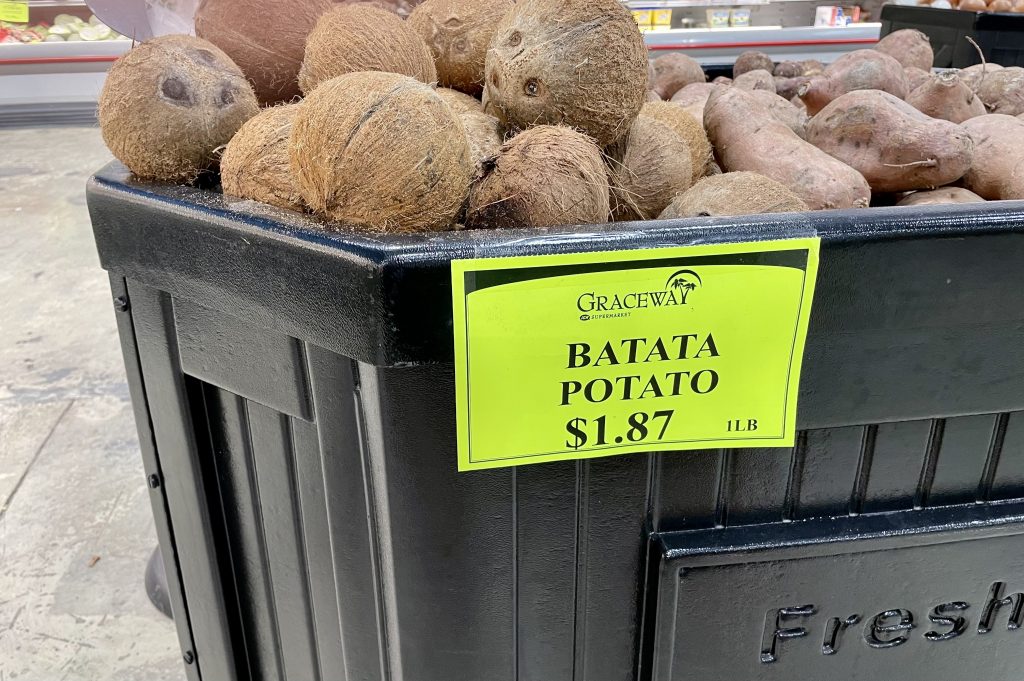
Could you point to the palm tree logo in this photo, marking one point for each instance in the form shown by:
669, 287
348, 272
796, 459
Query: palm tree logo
684, 281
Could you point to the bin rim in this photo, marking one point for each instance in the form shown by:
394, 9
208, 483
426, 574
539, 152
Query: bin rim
386, 299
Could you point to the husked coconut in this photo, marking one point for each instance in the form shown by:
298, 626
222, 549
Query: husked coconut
484, 136
648, 167
362, 37
460, 102
381, 151
739, 193
458, 33
580, 63
266, 38
170, 103
688, 128
255, 164
546, 176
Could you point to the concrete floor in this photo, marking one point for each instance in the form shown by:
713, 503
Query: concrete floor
75, 522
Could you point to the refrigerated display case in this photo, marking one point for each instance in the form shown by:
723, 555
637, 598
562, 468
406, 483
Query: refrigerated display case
52, 67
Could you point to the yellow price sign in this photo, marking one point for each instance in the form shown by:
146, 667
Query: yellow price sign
14, 12
599, 354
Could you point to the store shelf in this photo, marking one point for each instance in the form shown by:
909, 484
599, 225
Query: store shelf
56, 3
723, 45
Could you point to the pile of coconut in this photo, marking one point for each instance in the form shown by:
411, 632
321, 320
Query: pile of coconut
495, 113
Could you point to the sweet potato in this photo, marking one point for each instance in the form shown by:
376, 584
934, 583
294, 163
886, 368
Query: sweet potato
972, 75
788, 69
909, 47
858, 70
812, 67
746, 137
783, 110
752, 61
1003, 91
916, 77
693, 97
673, 72
758, 79
941, 195
722, 80
789, 87
998, 168
945, 96
893, 145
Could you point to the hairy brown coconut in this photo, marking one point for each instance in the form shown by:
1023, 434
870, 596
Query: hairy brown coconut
256, 166
740, 193
648, 167
484, 136
460, 102
545, 176
684, 124
673, 72
361, 37
266, 38
582, 63
382, 151
170, 103
752, 61
458, 33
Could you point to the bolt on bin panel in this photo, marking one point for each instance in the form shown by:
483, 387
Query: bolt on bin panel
319, 526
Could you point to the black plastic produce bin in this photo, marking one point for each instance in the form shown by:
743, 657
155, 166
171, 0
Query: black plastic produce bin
1000, 36
294, 394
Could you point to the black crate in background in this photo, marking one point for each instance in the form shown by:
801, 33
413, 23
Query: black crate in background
1000, 36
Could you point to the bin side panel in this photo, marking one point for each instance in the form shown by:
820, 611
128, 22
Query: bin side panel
897, 460
446, 539
686, 489
828, 477
962, 459
1008, 482
263, 366
351, 521
245, 539
152, 466
198, 559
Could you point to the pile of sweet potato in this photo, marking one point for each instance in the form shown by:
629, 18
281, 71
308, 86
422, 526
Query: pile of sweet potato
875, 127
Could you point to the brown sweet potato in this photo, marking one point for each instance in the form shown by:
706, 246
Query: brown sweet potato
916, 77
1003, 91
752, 61
722, 80
733, 194
893, 145
783, 110
788, 69
945, 96
789, 87
747, 137
972, 75
693, 97
941, 195
858, 70
673, 72
909, 47
812, 67
998, 168
758, 79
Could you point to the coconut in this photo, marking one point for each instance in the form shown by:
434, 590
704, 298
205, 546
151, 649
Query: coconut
266, 38
460, 102
739, 193
673, 72
170, 103
361, 37
684, 124
582, 63
458, 33
484, 136
649, 167
545, 176
382, 151
256, 166
752, 61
